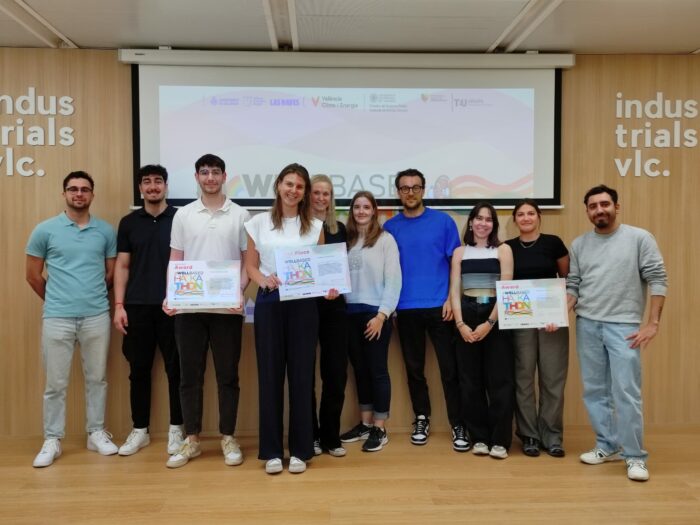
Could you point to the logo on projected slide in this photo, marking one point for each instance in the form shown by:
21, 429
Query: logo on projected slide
221, 101
315, 100
285, 102
459, 102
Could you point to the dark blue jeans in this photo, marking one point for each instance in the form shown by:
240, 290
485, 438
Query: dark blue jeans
369, 361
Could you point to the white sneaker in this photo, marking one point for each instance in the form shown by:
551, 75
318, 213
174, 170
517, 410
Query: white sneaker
101, 441
296, 465
637, 470
188, 450
50, 450
317, 447
337, 452
138, 439
498, 452
232, 451
273, 466
176, 435
480, 449
597, 456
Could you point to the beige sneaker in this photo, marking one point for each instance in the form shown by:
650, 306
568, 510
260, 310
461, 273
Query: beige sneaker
232, 451
188, 450
176, 435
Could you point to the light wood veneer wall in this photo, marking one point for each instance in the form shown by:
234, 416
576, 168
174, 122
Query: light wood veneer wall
103, 147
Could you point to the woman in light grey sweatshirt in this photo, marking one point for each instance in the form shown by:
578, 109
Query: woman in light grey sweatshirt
375, 274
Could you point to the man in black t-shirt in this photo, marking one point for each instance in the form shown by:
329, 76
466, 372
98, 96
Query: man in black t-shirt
143, 252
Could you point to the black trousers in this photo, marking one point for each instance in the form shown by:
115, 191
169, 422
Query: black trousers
486, 376
412, 325
195, 334
285, 341
149, 327
333, 341
370, 362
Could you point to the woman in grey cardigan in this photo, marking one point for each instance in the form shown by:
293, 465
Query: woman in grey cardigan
375, 274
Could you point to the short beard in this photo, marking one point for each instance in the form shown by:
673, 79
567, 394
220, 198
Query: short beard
413, 207
149, 200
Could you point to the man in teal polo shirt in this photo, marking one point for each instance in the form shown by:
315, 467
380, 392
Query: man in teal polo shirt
78, 251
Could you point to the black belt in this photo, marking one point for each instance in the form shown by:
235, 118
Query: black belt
480, 299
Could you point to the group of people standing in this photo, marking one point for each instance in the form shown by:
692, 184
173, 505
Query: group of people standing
414, 267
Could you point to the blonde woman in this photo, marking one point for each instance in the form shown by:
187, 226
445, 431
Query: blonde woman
332, 333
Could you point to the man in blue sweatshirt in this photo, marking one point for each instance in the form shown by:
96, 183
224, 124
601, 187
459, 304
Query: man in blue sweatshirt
611, 269
426, 240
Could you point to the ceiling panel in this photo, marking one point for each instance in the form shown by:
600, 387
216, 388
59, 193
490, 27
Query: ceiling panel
403, 25
576, 26
14, 35
204, 24
619, 26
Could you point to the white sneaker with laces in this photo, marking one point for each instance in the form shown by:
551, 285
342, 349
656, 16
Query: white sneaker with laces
337, 452
317, 447
498, 452
50, 450
637, 469
296, 465
273, 466
101, 442
232, 451
137, 439
176, 435
188, 450
597, 456
480, 449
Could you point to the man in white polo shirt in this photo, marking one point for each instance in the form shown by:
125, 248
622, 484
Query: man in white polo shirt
209, 229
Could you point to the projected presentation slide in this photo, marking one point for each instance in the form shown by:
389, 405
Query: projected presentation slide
470, 143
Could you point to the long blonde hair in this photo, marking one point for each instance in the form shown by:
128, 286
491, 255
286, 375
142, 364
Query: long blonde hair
331, 221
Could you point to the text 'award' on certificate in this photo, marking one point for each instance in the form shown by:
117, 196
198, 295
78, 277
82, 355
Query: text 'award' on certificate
194, 285
311, 271
532, 303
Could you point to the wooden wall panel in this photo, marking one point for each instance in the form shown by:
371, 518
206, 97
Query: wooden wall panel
102, 120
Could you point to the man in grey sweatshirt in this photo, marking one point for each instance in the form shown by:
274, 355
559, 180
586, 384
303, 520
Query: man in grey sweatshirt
611, 269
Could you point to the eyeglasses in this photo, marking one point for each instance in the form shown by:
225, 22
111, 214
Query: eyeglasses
410, 189
216, 172
75, 189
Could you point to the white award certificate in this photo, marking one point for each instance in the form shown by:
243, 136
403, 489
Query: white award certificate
532, 303
194, 285
311, 271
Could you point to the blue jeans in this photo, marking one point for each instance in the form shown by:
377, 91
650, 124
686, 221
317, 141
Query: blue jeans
611, 373
59, 335
369, 362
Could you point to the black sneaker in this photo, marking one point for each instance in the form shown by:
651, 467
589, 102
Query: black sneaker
421, 430
460, 440
356, 433
376, 440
